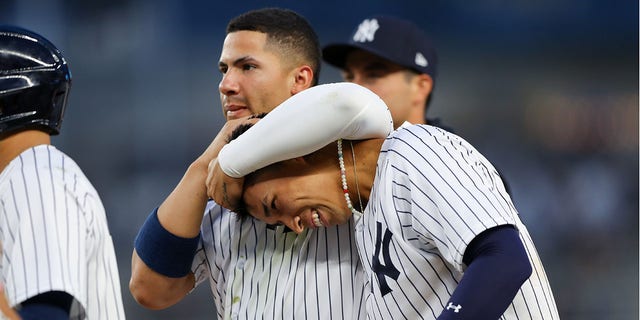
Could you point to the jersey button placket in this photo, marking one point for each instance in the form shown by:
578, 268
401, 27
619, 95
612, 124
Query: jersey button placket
235, 302
240, 263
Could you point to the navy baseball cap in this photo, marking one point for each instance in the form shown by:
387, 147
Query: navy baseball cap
399, 41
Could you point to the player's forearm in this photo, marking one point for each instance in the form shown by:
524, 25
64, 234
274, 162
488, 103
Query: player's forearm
153, 290
498, 266
181, 213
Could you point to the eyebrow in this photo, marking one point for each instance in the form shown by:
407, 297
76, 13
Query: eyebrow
237, 61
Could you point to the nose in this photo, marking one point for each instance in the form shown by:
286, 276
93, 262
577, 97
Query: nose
228, 85
362, 80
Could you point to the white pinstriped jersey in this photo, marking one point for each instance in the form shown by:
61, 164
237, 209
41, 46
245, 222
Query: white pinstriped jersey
55, 236
433, 193
260, 272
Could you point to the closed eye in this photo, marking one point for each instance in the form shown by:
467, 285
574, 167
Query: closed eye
269, 206
347, 76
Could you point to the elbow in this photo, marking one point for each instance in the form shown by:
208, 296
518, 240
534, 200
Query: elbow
145, 296
524, 269
153, 290
519, 268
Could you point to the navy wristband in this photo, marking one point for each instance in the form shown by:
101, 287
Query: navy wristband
163, 251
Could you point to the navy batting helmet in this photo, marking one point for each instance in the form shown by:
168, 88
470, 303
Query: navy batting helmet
34, 82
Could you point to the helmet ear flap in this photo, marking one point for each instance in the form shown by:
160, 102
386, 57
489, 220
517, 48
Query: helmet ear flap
58, 107
34, 82
59, 99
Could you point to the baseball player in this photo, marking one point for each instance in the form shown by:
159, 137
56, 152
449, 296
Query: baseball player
58, 260
395, 59
435, 229
254, 270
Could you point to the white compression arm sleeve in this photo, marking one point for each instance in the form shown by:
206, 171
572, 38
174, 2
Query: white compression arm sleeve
306, 122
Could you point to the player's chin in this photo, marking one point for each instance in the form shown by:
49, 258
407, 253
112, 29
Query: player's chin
336, 220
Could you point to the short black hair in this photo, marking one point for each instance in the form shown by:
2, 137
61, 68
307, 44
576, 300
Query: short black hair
287, 31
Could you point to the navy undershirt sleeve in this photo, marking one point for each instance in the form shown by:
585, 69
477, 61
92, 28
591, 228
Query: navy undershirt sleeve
52, 305
497, 266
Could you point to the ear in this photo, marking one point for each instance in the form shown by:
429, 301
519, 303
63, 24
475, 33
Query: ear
424, 84
297, 225
302, 79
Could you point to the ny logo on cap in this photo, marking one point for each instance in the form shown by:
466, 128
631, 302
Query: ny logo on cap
366, 30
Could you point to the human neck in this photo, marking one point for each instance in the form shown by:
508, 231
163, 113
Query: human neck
416, 117
15, 144
366, 156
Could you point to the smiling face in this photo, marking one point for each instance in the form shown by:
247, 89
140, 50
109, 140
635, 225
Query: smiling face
292, 194
254, 77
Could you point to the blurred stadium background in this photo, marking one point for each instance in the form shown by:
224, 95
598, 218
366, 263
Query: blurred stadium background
546, 89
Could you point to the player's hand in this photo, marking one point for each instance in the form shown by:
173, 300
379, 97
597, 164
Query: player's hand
222, 137
5, 308
224, 190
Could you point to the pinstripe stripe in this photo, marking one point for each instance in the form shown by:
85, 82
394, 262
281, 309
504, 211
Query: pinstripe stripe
434, 193
33, 250
65, 209
315, 273
44, 220
275, 274
471, 158
6, 246
55, 235
450, 173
